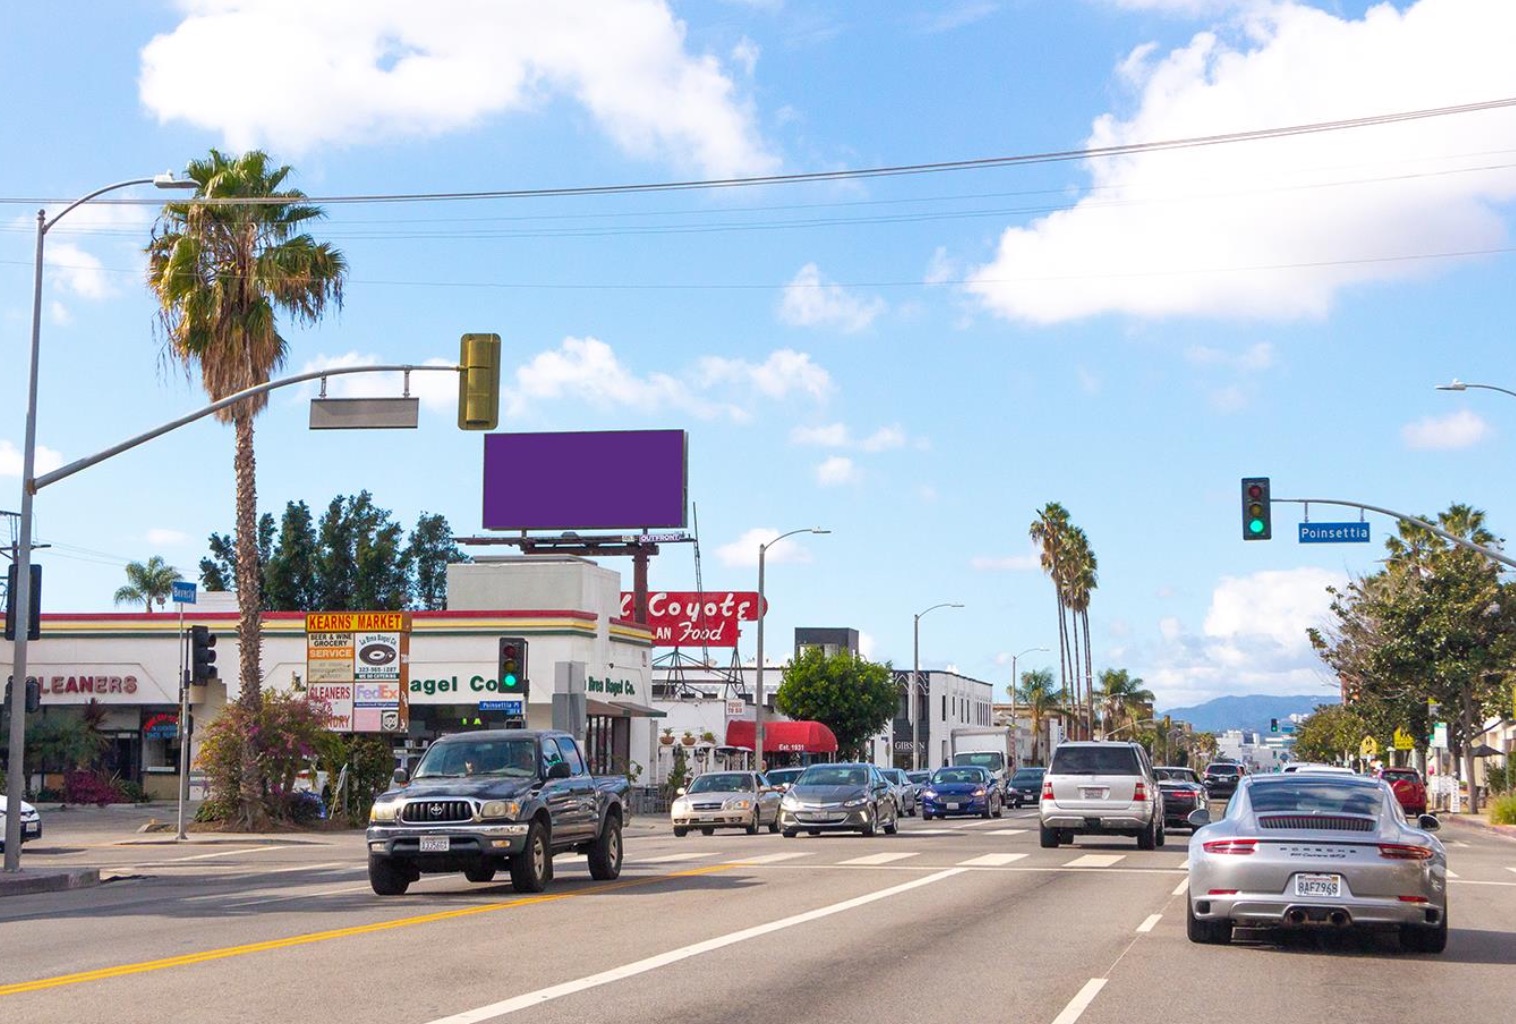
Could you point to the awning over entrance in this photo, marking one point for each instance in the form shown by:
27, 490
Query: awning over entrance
789, 737
620, 709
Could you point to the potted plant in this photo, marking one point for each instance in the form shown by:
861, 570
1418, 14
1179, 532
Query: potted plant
708, 737
688, 739
667, 737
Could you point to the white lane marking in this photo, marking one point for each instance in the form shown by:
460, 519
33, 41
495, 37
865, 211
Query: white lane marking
673, 858
1184, 865
879, 858
1453, 874
1180, 888
1080, 1002
1006, 832
673, 956
975, 824
1511, 869
991, 860
218, 853
274, 871
1095, 860
930, 832
1458, 842
773, 858
1147, 925
297, 896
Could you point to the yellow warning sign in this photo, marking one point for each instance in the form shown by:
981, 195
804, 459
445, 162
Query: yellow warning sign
1404, 740
1369, 747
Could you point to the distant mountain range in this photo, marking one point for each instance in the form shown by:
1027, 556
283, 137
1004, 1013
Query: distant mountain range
1249, 713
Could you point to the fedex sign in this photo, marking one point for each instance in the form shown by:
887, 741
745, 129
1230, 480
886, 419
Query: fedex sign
692, 619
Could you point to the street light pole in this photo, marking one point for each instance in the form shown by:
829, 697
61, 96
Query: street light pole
762, 611
15, 787
1458, 385
919, 713
1016, 681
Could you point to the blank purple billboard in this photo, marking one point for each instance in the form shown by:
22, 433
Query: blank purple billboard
586, 480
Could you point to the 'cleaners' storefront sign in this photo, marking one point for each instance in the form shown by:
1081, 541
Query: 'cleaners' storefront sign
680, 618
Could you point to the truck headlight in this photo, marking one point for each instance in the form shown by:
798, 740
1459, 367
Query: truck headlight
387, 810
500, 809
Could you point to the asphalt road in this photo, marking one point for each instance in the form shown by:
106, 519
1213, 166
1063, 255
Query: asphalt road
959, 922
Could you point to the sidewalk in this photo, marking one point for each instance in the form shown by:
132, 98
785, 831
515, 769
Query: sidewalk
1480, 821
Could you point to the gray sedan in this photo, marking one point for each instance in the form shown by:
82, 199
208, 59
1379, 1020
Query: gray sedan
1317, 851
838, 797
715, 800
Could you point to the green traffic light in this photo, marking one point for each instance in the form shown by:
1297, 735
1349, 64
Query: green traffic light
510, 682
1255, 525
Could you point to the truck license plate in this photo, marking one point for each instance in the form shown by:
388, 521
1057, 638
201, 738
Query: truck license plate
434, 844
1318, 885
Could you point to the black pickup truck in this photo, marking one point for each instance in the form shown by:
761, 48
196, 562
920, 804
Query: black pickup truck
480, 801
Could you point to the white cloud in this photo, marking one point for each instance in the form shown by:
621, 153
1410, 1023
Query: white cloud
1461, 429
1253, 640
1228, 399
837, 470
1029, 562
811, 302
1182, 6
942, 269
745, 55
1256, 357
1088, 382
742, 553
166, 538
837, 435
72, 270
297, 76
588, 369
867, 644
45, 460
1276, 229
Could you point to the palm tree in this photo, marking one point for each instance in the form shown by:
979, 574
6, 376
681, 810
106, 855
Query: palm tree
1037, 696
221, 272
147, 583
1081, 580
1050, 530
1120, 694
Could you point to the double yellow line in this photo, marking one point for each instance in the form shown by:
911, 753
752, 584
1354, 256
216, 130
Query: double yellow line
227, 952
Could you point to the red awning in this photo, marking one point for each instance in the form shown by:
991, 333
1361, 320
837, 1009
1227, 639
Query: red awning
788, 737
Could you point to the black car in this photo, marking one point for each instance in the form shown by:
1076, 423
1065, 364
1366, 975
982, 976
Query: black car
1221, 778
1025, 786
1183, 792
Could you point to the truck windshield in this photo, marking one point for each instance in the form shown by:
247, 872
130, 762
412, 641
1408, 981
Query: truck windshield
988, 759
515, 757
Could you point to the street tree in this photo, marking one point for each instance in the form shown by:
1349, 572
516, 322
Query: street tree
1329, 734
850, 695
1039, 697
1121, 695
148, 582
223, 271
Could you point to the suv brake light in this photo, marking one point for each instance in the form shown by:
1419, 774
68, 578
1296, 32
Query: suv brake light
1047, 789
1140, 792
1240, 846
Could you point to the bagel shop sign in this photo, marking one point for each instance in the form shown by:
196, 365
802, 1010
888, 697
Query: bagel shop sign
357, 663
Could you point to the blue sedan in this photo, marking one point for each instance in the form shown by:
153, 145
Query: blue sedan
960, 790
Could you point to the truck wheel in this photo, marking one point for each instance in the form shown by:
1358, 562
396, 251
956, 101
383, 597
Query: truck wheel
680, 833
605, 855
532, 867
484, 871
707, 831
386, 878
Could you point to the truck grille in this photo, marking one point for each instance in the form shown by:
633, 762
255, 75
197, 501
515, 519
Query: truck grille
1328, 822
437, 812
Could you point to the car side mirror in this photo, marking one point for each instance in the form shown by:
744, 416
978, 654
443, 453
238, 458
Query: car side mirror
401, 777
1199, 817
1428, 822
558, 770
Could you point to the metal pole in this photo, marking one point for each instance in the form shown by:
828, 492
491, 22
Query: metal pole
758, 765
183, 729
915, 686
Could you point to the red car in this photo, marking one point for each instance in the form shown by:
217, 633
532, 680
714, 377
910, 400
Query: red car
1409, 789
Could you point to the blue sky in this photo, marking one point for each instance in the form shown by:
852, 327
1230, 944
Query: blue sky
916, 362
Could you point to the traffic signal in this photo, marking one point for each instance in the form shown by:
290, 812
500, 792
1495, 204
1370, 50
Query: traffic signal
479, 382
513, 679
1273, 725
34, 611
202, 658
1257, 514
33, 695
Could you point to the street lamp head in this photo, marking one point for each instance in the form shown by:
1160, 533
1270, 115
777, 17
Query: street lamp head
167, 180
1456, 385
817, 529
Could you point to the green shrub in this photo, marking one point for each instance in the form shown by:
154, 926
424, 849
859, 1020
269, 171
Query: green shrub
1503, 810
1497, 778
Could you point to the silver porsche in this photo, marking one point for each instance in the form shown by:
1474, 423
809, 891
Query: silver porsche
1317, 851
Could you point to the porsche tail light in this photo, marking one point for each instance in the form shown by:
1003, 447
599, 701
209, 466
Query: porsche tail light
1401, 851
1237, 846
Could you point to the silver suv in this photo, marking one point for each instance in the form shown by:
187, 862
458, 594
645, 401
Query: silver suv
1105, 789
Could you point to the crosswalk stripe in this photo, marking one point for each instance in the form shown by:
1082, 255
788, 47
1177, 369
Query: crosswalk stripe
1006, 832
671, 858
773, 858
878, 858
1453, 874
1095, 860
990, 860
1511, 869
931, 831
1180, 888
1184, 865
1150, 923
980, 823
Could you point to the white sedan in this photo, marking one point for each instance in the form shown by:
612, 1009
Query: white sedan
31, 822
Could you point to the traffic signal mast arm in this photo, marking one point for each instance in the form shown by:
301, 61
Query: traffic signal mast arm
1445, 535
63, 472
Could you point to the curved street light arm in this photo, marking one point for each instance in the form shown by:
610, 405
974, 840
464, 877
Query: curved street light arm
1459, 385
1489, 553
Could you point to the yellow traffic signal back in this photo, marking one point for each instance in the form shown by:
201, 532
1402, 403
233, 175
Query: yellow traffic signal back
479, 382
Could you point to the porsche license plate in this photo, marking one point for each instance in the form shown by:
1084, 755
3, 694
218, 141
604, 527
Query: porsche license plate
434, 844
1318, 885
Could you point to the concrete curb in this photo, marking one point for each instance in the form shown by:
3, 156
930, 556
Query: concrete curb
1463, 821
25, 883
